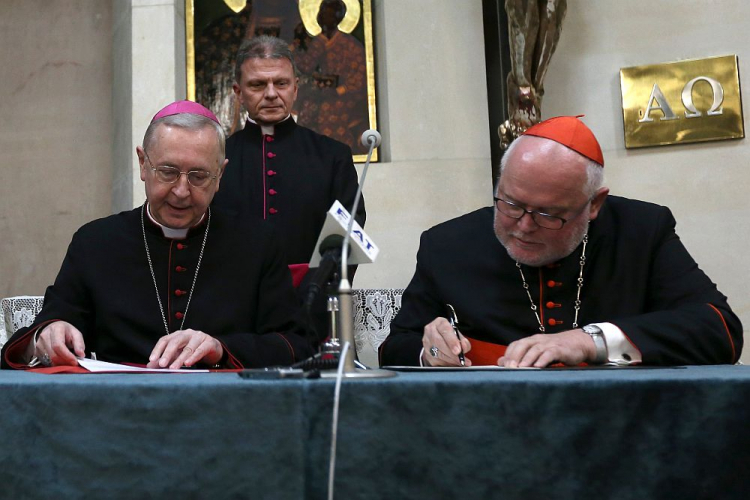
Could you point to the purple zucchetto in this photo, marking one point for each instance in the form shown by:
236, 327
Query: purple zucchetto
180, 107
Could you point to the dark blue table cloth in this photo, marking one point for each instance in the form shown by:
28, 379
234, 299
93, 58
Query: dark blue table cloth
625, 433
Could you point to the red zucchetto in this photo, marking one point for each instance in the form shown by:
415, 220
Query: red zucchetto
571, 133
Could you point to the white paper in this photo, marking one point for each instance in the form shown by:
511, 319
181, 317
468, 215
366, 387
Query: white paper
94, 365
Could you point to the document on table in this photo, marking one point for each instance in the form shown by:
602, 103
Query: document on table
94, 366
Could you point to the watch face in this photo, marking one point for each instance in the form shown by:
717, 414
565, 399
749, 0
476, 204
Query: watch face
592, 330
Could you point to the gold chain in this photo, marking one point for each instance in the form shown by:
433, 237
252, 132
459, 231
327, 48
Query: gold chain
153, 276
577, 303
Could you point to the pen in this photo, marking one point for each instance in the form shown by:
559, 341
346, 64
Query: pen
454, 324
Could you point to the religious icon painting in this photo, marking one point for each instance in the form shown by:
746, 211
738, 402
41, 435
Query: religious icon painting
332, 44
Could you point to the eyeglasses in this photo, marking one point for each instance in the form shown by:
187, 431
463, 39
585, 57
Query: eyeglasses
546, 221
170, 175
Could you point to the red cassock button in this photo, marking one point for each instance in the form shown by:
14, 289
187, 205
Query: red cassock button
271, 173
180, 246
179, 292
553, 322
553, 284
180, 269
178, 315
269, 138
272, 192
271, 155
272, 211
552, 305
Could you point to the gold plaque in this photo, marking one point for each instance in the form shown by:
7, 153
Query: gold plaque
681, 102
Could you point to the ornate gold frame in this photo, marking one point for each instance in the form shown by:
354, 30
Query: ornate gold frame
366, 13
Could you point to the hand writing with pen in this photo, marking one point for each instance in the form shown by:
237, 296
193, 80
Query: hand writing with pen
443, 343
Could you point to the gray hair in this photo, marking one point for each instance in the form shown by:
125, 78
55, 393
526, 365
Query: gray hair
188, 121
262, 47
594, 171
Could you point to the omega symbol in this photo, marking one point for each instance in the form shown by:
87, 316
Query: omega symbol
657, 101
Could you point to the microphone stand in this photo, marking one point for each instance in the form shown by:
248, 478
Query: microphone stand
370, 138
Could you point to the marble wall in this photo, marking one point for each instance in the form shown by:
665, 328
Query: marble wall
55, 133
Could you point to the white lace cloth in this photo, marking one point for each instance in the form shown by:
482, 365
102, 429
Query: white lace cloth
17, 312
374, 309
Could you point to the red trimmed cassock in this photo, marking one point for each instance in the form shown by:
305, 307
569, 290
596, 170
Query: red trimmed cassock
243, 295
638, 276
290, 179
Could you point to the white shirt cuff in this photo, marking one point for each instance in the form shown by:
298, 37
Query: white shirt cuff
620, 350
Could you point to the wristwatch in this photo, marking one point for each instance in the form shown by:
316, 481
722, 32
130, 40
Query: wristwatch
601, 345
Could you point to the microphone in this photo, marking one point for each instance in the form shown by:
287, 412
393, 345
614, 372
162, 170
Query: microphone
364, 250
329, 251
371, 137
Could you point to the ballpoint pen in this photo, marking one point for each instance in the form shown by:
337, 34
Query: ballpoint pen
454, 324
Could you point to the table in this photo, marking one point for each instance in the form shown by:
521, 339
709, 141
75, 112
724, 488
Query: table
578, 433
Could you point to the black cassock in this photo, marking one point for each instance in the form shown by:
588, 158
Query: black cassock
637, 275
290, 179
243, 295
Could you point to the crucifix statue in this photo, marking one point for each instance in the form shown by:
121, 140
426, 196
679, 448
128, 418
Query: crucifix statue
534, 29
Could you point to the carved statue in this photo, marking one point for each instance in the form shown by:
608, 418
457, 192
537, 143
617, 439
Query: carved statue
534, 29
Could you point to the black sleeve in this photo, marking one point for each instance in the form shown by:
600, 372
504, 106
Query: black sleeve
279, 337
68, 299
686, 319
420, 306
345, 183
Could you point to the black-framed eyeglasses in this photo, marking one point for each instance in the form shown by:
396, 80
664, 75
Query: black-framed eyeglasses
546, 221
170, 175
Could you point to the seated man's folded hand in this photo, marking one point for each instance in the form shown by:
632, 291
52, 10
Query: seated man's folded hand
571, 347
185, 348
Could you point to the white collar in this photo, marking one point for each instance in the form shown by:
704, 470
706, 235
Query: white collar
267, 129
173, 234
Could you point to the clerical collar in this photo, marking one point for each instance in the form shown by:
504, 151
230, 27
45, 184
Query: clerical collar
173, 234
267, 129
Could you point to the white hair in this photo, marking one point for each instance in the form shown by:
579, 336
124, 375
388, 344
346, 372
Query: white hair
188, 121
594, 171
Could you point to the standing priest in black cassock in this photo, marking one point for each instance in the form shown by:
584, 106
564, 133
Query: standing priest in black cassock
279, 171
560, 272
171, 283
